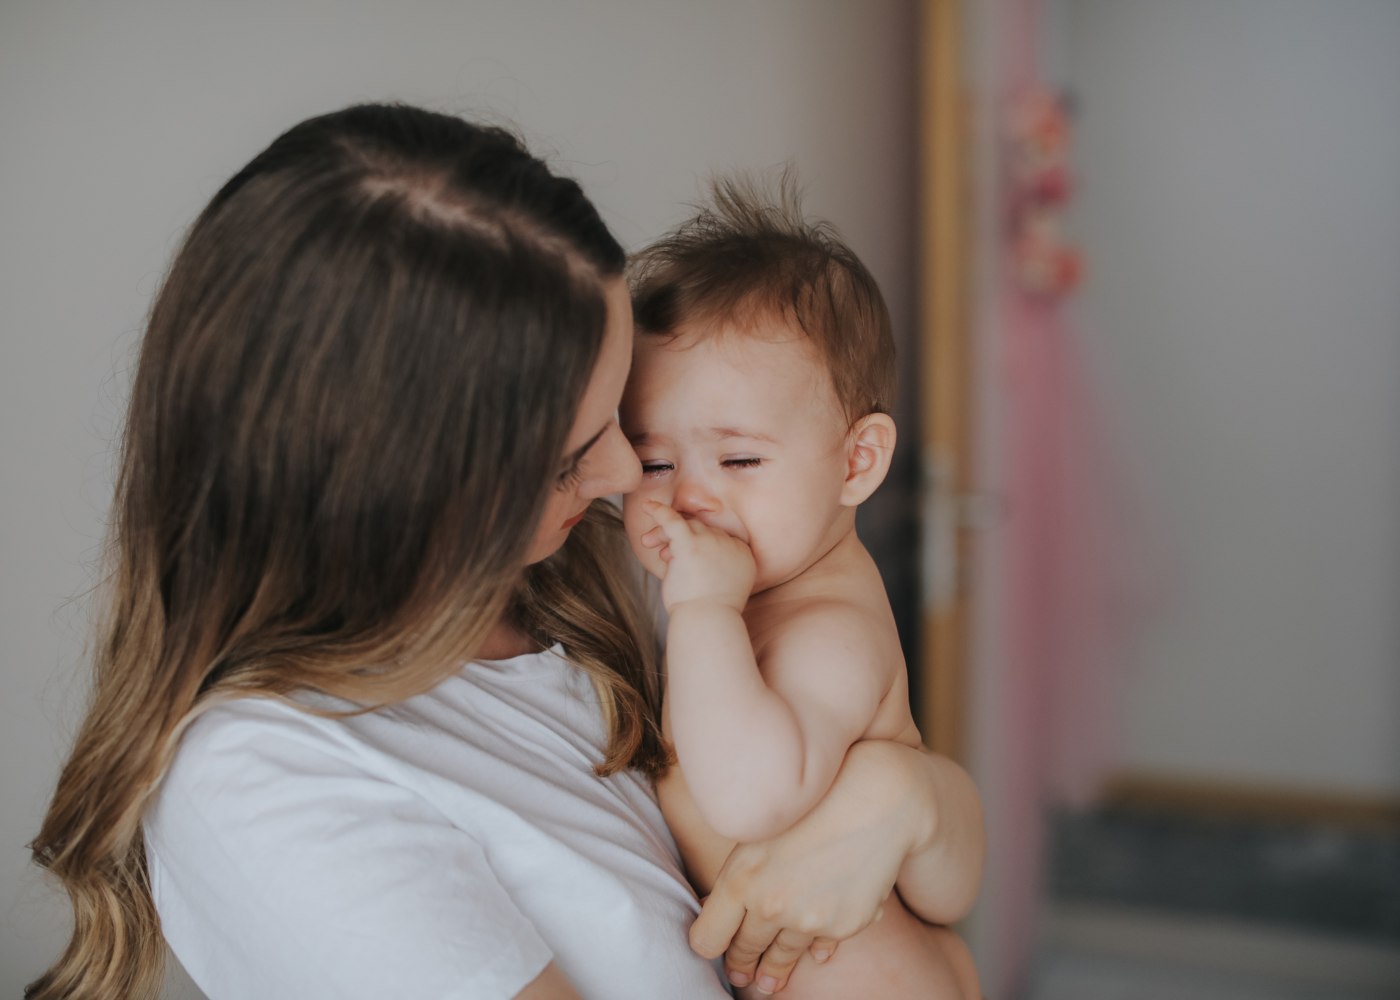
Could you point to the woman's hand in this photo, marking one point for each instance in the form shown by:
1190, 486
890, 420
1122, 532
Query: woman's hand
825, 879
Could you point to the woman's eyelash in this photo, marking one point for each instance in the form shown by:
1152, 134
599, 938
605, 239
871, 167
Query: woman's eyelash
570, 477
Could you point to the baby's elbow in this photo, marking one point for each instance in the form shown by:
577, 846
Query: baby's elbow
757, 805
748, 822
962, 900
748, 829
955, 907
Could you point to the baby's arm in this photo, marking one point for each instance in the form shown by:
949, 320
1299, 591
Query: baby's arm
759, 746
943, 871
896, 816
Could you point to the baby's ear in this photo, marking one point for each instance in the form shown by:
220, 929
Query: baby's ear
869, 450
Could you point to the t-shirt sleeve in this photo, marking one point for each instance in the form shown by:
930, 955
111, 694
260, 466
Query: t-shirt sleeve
282, 866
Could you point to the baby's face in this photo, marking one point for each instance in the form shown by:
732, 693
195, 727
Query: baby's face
744, 433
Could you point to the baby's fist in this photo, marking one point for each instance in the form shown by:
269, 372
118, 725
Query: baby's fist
702, 563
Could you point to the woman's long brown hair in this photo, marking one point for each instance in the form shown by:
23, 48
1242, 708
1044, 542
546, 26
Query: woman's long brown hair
350, 405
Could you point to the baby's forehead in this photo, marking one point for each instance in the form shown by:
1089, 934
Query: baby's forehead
753, 368
739, 339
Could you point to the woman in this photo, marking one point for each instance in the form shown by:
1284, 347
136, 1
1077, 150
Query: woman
370, 428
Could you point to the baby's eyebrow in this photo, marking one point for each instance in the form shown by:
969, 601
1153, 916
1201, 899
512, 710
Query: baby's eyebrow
713, 433
723, 433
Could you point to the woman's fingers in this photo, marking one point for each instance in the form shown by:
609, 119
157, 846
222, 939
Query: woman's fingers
718, 922
822, 948
725, 927
778, 961
755, 937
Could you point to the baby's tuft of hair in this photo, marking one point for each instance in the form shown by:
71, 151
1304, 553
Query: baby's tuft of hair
749, 257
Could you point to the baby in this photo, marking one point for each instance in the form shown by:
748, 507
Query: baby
759, 405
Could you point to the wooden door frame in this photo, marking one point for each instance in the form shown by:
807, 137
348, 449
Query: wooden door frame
945, 398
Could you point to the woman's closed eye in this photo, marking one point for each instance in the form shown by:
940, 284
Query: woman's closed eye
570, 477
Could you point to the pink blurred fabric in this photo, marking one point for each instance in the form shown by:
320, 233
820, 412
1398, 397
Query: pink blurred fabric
1064, 629
1073, 573
1072, 570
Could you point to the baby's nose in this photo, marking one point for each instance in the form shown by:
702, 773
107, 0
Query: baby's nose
694, 497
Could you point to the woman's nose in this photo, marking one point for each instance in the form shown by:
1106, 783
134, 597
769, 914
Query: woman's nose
615, 469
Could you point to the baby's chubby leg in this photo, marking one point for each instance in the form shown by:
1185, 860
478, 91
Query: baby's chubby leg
898, 957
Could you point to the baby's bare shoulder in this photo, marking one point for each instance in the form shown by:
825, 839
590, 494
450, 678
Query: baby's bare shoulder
845, 634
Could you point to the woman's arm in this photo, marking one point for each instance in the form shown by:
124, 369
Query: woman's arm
896, 815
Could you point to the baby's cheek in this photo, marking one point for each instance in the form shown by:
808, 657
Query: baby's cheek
779, 546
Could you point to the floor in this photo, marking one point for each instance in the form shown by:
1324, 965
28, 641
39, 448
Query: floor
1105, 952
1154, 906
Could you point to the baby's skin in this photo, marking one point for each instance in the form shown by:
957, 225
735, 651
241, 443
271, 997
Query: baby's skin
782, 650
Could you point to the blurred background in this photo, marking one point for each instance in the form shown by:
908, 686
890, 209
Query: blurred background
1143, 263
1179, 621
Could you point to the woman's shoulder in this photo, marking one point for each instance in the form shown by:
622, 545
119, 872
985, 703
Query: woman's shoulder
237, 759
242, 752
278, 832
233, 734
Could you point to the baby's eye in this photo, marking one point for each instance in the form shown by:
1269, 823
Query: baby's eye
652, 467
741, 463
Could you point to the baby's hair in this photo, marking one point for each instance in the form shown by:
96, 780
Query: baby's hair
749, 256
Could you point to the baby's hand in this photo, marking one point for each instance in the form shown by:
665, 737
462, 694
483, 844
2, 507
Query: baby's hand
702, 563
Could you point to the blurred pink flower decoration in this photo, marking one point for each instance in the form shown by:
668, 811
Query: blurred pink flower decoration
1044, 263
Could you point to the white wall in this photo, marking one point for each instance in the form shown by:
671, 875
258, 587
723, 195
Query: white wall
1240, 209
118, 120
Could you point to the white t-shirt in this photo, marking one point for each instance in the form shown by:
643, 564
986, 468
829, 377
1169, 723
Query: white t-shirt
445, 847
